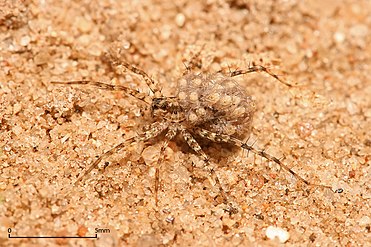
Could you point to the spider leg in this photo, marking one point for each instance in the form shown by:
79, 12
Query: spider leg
106, 154
258, 68
228, 139
155, 129
192, 143
104, 86
194, 62
171, 133
149, 81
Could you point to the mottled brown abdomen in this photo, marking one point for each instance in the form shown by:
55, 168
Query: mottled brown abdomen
217, 103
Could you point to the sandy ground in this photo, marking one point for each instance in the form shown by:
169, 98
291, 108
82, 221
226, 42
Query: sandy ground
50, 133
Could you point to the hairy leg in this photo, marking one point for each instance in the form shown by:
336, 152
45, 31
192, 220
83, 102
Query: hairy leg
228, 139
154, 130
194, 62
192, 143
171, 133
258, 68
104, 86
115, 62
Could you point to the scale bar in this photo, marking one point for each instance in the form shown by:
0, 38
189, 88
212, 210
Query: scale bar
96, 236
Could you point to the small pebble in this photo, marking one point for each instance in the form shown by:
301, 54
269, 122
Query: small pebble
180, 20
359, 30
273, 232
84, 25
150, 155
81, 231
364, 221
17, 108
339, 37
41, 58
25, 40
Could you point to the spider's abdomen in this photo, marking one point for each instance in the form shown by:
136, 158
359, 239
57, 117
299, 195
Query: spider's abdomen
215, 102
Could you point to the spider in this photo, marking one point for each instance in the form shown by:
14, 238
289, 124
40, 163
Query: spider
211, 106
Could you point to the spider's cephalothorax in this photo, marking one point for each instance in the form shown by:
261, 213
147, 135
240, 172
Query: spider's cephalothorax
167, 108
211, 106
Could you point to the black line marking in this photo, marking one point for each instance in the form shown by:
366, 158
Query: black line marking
96, 236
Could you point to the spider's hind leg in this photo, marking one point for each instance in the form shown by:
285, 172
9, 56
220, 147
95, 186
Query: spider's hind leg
192, 143
228, 139
170, 134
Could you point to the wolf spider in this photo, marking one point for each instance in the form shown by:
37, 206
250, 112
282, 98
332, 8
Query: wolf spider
211, 106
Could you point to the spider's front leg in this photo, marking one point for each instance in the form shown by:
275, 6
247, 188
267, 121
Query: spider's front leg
192, 143
154, 130
171, 133
115, 62
104, 86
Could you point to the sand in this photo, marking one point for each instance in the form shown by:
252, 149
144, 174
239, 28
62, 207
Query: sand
49, 134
